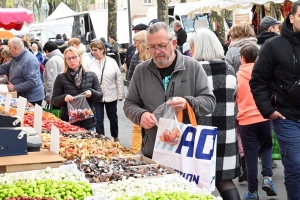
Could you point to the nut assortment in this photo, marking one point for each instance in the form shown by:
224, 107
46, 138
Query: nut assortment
98, 170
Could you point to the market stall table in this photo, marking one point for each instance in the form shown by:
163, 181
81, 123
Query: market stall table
32, 161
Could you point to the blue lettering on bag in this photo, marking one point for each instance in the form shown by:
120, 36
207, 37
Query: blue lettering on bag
189, 177
189, 144
201, 142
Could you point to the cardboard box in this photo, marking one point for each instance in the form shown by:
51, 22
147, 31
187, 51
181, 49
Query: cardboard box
32, 161
14, 94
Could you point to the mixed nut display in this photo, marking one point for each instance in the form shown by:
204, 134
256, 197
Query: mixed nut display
98, 170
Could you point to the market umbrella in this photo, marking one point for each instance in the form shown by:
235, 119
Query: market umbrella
14, 18
5, 34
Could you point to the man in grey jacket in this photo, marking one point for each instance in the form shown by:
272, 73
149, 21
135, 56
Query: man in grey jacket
54, 66
24, 72
167, 74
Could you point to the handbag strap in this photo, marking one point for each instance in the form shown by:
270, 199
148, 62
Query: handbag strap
102, 72
191, 115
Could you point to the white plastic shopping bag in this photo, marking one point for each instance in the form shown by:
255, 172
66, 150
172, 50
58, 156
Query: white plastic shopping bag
194, 155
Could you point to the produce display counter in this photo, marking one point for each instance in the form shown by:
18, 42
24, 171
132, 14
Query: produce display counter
32, 161
89, 166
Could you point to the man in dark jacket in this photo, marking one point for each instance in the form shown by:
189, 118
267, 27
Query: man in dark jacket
62, 44
131, 49
269, 28
180, 34
275, 70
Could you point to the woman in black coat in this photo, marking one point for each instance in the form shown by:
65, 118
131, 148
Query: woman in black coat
72, 82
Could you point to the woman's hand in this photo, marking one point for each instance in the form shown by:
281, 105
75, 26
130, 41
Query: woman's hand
88, 93
68, 98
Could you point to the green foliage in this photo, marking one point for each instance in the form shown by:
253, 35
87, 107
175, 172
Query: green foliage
9, 3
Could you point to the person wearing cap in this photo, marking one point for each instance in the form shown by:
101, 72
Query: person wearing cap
275, 72
180, 34
131, 49
269, 27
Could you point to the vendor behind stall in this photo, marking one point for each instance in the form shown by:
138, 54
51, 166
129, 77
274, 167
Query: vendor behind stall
24, 73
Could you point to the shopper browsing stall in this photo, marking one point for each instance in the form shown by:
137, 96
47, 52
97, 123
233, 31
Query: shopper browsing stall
188, 83
24, 73
207, 49
73, 81
110, 79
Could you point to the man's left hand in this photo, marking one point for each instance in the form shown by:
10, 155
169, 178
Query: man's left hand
10, 87
178, 103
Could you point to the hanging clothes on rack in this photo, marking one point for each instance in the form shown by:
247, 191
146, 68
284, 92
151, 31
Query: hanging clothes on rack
286, 8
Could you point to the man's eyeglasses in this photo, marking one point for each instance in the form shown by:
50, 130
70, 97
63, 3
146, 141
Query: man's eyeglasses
72, 58
160, 47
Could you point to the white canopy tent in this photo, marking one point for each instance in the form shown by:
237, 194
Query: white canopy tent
52, 25
206, 6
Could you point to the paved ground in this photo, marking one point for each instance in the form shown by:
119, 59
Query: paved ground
125, 128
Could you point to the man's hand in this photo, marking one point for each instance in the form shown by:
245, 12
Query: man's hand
148, 120
275, 115
68, 98
178, 103
10, 87
88, 93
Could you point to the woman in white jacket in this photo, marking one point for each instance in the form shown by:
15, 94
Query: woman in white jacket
111, 82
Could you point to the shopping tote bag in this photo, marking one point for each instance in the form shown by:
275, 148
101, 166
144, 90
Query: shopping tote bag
194, 156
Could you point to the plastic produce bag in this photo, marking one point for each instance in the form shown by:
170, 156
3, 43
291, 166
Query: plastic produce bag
79, 109
167, 123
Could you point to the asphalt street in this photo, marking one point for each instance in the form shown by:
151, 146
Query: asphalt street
125, 129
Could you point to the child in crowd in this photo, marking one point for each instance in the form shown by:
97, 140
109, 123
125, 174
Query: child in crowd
255, 131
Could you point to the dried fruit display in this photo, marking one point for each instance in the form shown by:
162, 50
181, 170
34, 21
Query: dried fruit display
98, 170
72, 148
12, 111
129, 189
48, 120
58, 190
170, 136
174, 195
28, 198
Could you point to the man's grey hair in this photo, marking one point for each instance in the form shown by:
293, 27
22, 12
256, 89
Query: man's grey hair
17, 42
162, 25
206, 45
177, 23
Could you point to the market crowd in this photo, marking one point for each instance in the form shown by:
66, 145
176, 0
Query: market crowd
247, 92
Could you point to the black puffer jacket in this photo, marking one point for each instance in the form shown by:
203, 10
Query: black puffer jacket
265, 36
275, 68
64, 84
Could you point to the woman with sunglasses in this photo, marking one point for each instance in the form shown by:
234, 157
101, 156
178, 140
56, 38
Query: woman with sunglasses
73, 81
111, 82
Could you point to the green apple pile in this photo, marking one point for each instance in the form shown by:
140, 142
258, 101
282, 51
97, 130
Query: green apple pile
46, 188
159, 195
